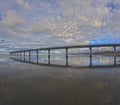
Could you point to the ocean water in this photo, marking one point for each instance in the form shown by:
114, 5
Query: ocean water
28, 84
73, 59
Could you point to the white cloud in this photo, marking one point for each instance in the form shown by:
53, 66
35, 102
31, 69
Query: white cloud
87, 12
64, 21
96, 23
12, 19
40, 27
24, 4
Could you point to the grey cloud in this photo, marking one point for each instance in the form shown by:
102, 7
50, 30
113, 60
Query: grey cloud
64, 22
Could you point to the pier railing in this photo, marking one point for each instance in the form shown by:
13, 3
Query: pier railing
27, 55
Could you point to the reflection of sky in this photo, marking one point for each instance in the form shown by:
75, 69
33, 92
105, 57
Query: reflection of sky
41, 23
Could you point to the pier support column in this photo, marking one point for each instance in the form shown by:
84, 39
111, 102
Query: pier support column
24, 55
17, 55
48, 56
90, 56
20, 56
114, 55
10, 53
13, 54
66, 56
37, 56
29, 56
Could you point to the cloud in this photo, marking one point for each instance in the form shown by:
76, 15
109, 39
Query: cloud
60, 22
41, 27
96, 23
12, 19
74, 21
24, 4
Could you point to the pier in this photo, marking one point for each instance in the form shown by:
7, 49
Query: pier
27, 55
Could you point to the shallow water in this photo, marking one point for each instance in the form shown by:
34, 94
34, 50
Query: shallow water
28, 84
73, 60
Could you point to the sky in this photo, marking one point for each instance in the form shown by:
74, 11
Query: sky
26, 24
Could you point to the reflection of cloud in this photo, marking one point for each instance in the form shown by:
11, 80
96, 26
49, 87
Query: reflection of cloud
105, 60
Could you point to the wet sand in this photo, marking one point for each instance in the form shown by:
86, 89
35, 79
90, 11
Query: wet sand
28, 84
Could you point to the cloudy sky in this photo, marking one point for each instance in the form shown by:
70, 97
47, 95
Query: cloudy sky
41, 23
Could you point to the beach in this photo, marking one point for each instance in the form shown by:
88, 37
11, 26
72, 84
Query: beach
29, 84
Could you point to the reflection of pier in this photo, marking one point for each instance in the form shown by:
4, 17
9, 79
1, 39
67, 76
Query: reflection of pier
21, 55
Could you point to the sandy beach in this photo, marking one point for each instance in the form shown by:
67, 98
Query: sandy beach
29, 84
